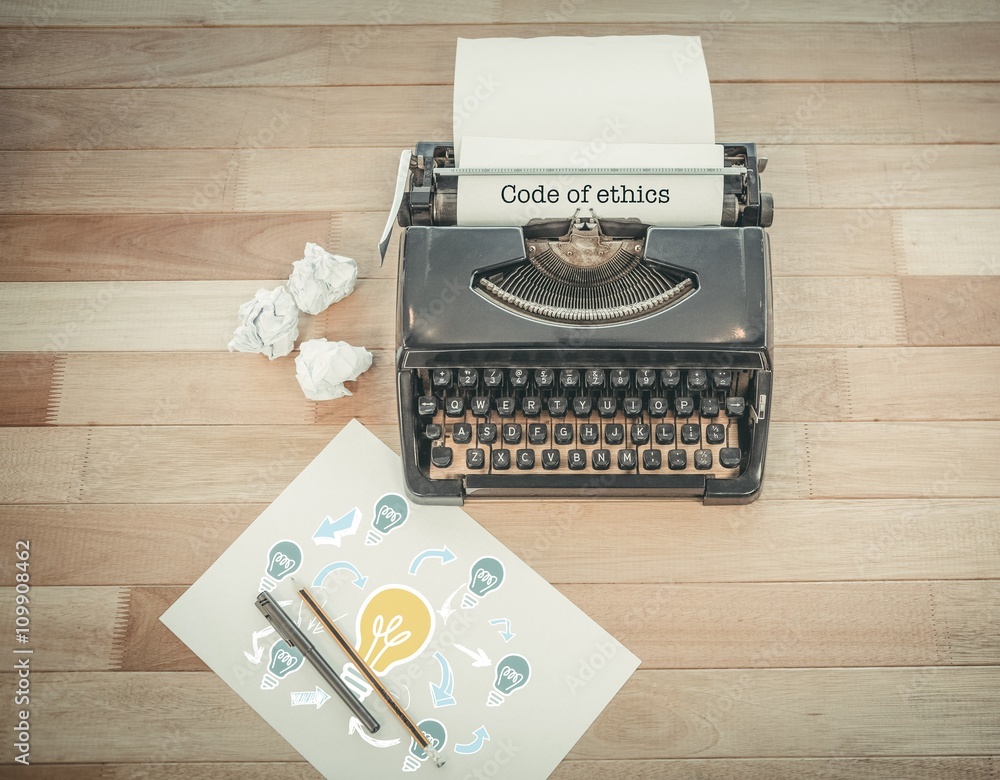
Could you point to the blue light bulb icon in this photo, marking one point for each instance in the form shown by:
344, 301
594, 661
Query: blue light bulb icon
285, 659
391, 512
485, 576
436, 734
283, 558
512, 674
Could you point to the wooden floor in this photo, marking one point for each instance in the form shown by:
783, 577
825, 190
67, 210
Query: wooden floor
159, 162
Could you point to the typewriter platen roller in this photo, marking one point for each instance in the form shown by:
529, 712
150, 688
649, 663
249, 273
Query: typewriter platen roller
583, 356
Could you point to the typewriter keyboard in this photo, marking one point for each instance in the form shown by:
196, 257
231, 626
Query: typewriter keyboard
583, 419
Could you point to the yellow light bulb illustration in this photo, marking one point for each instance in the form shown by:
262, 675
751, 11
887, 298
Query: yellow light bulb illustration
394, 625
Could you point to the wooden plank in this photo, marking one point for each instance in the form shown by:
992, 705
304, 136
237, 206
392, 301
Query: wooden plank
833, 768
818, 311
25, 393
23, 13
766, 541
217, 388
947, 243
190, 716
945, 175
195, 182
320, 56
164, 247
191, 13
952, 310
711, 626
821, 113
39, 465
182, 247
813, 384
195, 464
72, 629
134, 316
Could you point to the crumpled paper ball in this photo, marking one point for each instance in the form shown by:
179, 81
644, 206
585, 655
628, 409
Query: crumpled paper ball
323, 366
319, 279
269, 324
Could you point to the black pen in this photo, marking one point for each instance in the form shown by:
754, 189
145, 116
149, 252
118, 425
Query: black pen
292, 634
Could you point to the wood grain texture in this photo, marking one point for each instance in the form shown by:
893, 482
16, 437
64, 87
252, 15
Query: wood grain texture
320, 56
909, 711
610, 542
94, 544
712, 626
302, 117
19, 13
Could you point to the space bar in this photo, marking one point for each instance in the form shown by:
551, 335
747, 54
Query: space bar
567, 484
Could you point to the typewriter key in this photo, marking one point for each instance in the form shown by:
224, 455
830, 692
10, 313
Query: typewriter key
607, 407
588, 433
645, 378
703, 459
697, 379
684, 406
525, 459
519, 377
577, 459
595, 377
729, 457
627, 460
722, 379
563, 433
582, 405
427, 405
709, 407
501, 460
441, 377
639, 433
614, 433
601, 460
665, 433
492, 377
632, 407
467, 377
537, 433
475, 458
690, 434
543, 377
512, 433
487, 433
735, 406
657, 407
550, 459
461, 433
619, 378
670, 377
531, 405
677, 459
715, 434
651, 460
441, 457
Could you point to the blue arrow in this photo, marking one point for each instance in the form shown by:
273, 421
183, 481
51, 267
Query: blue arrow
330, 531
442, 693
481, 737
446, 556
330, 567
505, 631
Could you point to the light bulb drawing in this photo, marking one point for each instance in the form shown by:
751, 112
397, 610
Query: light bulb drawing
512, 674
394, 625
285, 659
437, 736
485, 576
283, 558
391, 512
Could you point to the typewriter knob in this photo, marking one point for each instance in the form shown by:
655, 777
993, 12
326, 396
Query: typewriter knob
766, 209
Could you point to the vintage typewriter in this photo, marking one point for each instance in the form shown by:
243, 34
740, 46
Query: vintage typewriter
581, 356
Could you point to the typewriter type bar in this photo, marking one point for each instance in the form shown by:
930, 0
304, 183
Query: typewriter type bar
582, 356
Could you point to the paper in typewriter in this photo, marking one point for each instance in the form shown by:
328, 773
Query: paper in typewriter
501, 670
575, 102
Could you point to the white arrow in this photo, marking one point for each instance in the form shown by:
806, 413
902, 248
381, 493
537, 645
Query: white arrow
479, 658
446, 611
319, 697
258, 651
355, 726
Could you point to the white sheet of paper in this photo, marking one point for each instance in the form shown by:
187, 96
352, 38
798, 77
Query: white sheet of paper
691, 200
578, 102
649, 89
344, 528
